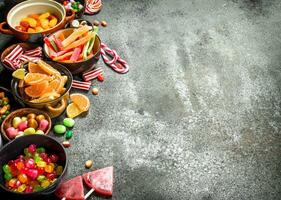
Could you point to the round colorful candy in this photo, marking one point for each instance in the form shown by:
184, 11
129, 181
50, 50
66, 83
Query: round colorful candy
68, 122
59, 129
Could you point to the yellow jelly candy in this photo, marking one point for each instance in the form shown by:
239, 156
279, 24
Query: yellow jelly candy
45, 183
59, 170
44, 23
12, 182
41, 164
21, 188
31, 30
19, 74
53, 22
39, 29
49, 168
32, 22
44, 15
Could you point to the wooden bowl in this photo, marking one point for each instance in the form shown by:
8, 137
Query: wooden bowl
25, 46
20, 113
80, 66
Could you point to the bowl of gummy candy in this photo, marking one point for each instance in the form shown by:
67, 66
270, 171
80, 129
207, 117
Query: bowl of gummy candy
25, 121
32, 166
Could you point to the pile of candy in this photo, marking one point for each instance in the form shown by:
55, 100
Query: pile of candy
4, 106
37, 23
66, 127
76, 6
42, 83
93, 6
76, 47
19, 56
33, 171
26, 125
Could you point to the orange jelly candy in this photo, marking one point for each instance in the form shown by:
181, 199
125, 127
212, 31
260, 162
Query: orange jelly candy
36, 90
22, 178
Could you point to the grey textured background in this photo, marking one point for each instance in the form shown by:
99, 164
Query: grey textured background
198, 115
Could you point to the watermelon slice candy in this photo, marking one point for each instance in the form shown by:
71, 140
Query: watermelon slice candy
71, 189
101, 181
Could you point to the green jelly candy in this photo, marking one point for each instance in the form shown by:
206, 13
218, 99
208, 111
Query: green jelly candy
6, 169
68, 135
37, 158
68, 122
37, 188
41, 178
40, 150
29, 131
59, 129
8, 176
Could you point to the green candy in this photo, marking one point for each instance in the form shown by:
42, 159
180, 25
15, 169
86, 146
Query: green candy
59, 129
8, 176
40, 150
68, 122
37, 158
41, 178
6, 169
68, 134
37, 188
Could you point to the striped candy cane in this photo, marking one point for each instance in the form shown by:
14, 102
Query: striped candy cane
116, 63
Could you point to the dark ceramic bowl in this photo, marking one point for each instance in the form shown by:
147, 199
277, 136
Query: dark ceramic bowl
25, 46
20, 113
81, 66
49, 106
14, 148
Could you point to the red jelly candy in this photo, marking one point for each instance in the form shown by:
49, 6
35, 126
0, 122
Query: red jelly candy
51, 176
30, 163
44, 156
32, 173
54, 158
32, 148
24, 24
40, 170
18, 183
100, 78
24, 170
28, 189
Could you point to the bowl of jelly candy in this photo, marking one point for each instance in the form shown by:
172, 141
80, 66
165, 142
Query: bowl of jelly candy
32, 165
25, 121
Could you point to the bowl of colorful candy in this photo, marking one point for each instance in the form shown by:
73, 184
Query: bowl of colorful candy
31, 20
7, 103
78, 6
32, 166
76, 48
25, 121
42, 85
15, 55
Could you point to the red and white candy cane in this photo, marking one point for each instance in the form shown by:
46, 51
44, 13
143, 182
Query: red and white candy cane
88, 76
116, 63
81, 85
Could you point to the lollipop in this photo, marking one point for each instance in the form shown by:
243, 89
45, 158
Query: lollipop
101, 181
71, 189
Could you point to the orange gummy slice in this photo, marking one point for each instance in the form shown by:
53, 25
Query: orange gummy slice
34, 68
47, 68
36, 90
82, 102
35, 78
73, 110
